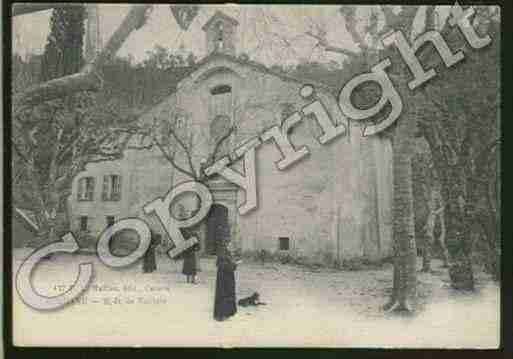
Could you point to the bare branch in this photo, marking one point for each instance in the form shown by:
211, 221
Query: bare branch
324, 43
21, 9
349, 13
219, 143
135, 19
270, 19
57, 88
399, 22
391, 19
172, 160
186, 150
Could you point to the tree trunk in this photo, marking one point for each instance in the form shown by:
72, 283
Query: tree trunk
426, 253
490, 229
484, 212
405, 252
459, 245
441, 239
46, 213
458, 221
456, 217
492, 259
50, 225
428, 236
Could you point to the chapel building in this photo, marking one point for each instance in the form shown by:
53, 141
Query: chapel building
334, 204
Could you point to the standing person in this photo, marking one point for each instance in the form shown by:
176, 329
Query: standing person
189, 268
225, 304
149, 260
190, 264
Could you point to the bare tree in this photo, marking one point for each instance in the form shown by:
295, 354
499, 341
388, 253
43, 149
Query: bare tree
405, 257
53, 143
176, 142
54, 139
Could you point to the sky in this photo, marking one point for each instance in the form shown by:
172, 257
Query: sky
260, 35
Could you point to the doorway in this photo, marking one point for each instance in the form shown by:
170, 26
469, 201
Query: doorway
218, 228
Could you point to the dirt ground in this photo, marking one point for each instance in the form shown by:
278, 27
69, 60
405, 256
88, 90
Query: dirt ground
321, 308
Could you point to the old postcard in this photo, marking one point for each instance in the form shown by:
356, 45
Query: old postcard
255, 176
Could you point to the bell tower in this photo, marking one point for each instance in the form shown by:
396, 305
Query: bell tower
220, 33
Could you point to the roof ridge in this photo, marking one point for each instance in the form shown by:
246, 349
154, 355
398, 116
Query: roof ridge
252, 63
259, 66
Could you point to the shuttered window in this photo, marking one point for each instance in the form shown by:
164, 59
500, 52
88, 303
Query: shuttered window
111, 188
85, 189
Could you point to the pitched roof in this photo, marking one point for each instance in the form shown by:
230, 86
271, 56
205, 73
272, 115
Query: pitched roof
260, 67
256, 65
220, 15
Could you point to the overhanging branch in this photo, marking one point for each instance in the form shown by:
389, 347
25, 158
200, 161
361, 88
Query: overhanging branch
172, 161
185, 149
21, 9
218, 144
88, 79
329, 48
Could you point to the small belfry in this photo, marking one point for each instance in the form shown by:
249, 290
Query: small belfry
220, 32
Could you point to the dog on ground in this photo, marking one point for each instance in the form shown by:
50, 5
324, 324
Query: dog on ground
252, 300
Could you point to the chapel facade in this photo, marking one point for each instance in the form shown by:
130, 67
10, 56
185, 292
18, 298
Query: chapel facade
334, 204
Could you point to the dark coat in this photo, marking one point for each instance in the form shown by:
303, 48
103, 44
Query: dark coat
225, 302
149, 260
189, 261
